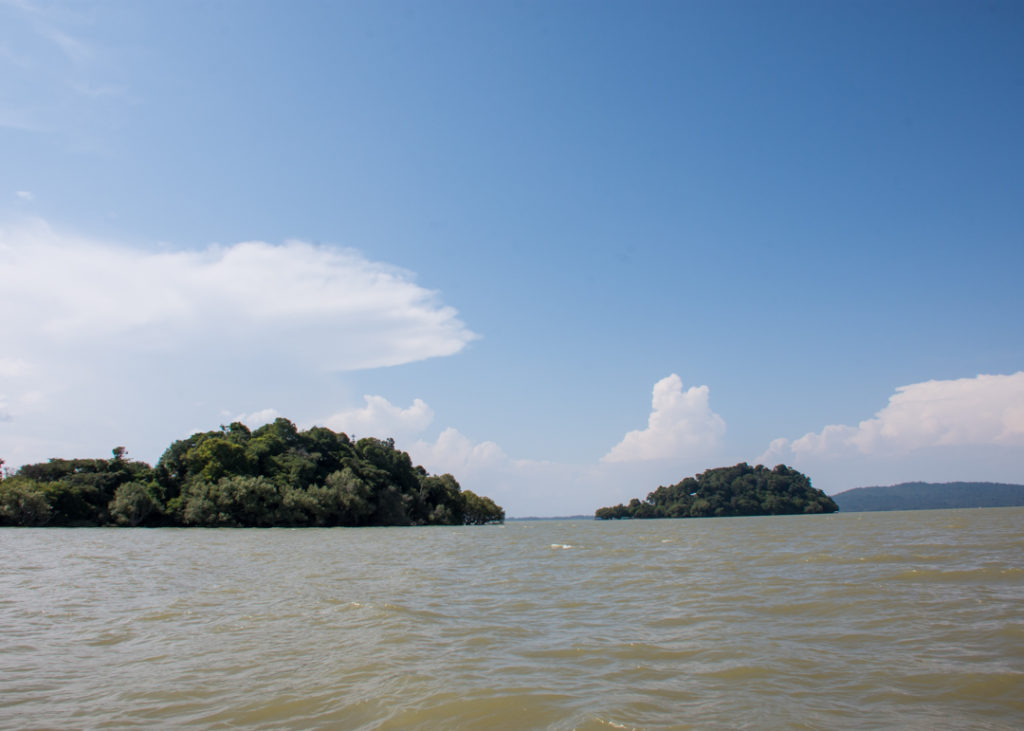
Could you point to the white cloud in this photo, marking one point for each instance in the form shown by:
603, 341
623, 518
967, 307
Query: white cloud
987, 410
526, 487
330, 307
19, 119
454, 452
258, 418
51, 51
382, 419
521, 486
681, 431
75, 49
106, 344
681, 424
51, 24
13, 367
24, 195
940, 420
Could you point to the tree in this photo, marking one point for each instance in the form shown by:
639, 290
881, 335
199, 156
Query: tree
133, 502
23, 503
346, 499
441, 499
216, 458
480, 510
236, 501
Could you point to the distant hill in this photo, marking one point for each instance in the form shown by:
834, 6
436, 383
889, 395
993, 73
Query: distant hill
930, 496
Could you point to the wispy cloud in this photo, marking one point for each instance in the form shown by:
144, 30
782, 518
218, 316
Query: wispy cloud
58, 79
22, 120
99, 91
24, 195
75, 49
11, 58
48, 22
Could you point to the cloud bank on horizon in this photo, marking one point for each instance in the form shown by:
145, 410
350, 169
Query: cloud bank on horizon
987, 410
683, 433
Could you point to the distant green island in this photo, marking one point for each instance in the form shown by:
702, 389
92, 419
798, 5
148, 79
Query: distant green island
729, 491
273, 476
930, 496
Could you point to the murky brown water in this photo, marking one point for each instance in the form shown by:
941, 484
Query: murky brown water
850, 621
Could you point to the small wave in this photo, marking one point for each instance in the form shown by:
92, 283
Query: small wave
110, 637
410, 611
985, 574
562, 545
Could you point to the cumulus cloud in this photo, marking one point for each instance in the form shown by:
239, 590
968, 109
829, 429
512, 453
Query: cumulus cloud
456, 453
527, 487
257, 418
681, 424
521, 486
382, 419
987, 410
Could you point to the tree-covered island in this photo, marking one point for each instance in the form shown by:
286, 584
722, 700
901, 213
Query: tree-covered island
273, 476
729, 491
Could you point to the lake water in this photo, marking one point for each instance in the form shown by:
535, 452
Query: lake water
911, 620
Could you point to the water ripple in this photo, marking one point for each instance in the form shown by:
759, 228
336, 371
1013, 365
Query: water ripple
909, 620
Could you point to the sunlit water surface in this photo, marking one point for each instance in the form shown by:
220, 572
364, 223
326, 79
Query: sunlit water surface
851, 621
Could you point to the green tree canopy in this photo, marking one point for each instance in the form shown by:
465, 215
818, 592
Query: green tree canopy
724, 491
234, 476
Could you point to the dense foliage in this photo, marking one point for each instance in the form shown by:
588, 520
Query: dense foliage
273, 476
738, 490
931, 496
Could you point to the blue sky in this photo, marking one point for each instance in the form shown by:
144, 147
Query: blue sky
567, 251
